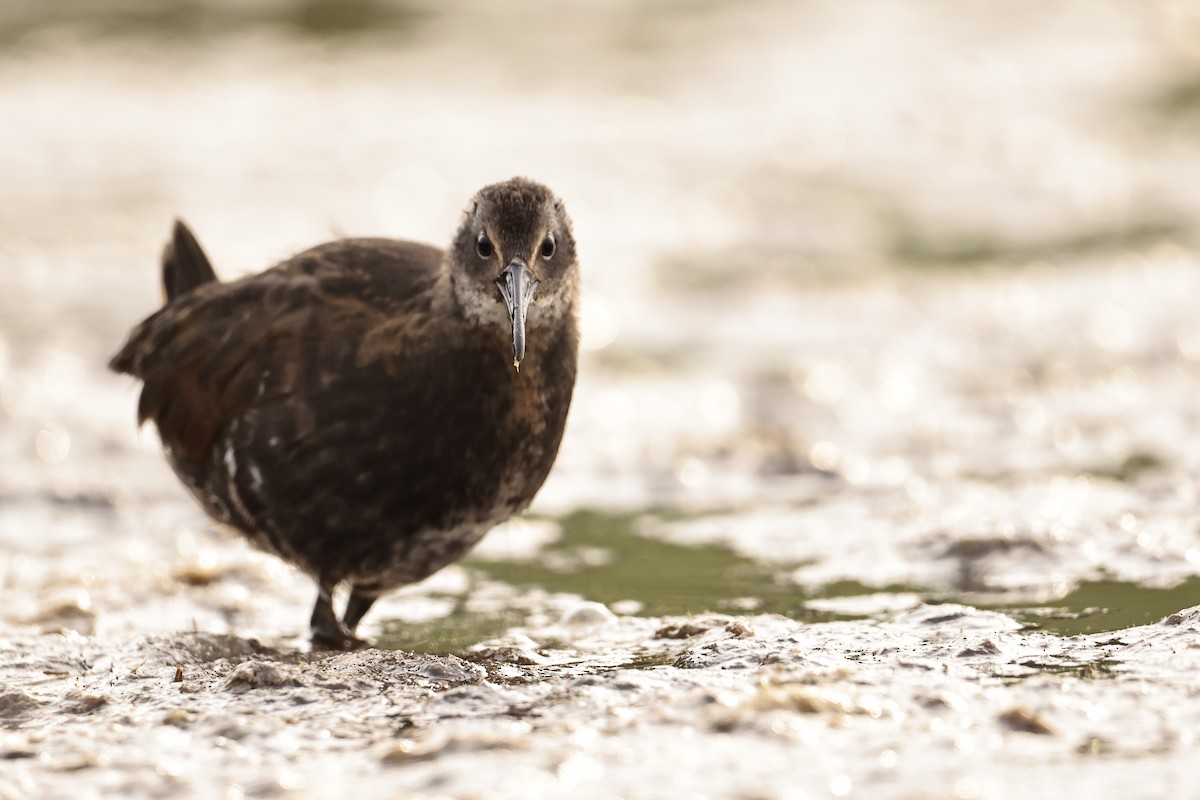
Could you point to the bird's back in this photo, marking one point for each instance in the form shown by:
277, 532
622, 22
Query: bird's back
212, 353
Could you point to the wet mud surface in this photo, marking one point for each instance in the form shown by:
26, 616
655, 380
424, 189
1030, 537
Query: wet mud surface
714, 706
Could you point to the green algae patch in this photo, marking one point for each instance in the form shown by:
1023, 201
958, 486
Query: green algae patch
601, 557
453, 633
1100, 606
1132, 467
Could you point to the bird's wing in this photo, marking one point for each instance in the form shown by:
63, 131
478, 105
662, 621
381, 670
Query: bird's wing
223, 349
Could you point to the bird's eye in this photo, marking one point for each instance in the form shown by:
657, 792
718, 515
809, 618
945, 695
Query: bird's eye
547, 250
484, 247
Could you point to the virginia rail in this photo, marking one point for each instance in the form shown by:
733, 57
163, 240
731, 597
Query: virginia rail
369, 408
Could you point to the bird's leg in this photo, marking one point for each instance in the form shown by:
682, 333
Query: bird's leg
360, 602
327, 631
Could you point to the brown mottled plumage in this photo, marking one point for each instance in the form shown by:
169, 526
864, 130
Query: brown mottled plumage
369, 408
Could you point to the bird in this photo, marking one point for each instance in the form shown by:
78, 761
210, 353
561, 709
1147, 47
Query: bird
369, 408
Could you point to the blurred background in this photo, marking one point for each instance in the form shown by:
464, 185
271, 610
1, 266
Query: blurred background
890, 295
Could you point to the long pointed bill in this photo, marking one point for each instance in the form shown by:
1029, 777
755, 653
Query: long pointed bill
517, 286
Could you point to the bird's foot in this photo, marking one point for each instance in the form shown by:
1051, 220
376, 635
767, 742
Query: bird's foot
329, 632
337, 638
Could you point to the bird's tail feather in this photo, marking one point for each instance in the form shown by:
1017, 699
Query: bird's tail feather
184, 265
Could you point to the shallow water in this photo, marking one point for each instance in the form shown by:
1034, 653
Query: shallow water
880, 480
603, 559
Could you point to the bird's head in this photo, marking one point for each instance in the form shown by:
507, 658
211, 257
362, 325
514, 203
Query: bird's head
513, 262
